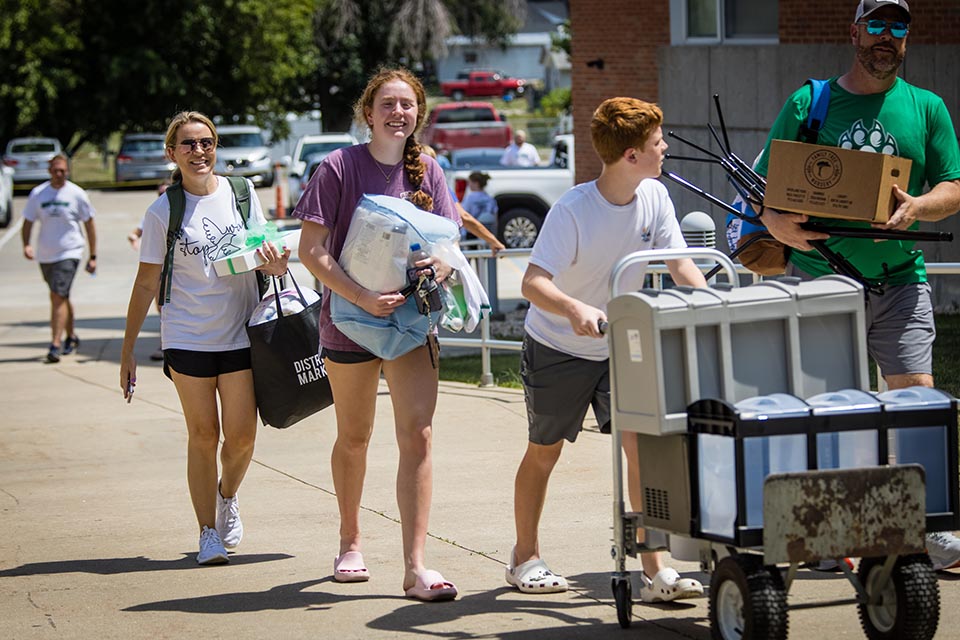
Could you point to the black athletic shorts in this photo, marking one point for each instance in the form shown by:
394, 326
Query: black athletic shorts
205, 364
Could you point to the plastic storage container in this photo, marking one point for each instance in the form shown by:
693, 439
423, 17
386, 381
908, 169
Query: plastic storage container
851, 438
736, 447
919, 435
681, 345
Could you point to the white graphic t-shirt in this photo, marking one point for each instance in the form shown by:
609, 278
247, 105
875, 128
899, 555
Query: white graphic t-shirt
60, 212
206, 312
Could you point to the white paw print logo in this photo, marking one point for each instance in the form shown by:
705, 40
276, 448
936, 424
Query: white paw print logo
874, 139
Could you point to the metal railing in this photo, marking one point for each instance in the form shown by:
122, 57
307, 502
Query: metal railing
483, 262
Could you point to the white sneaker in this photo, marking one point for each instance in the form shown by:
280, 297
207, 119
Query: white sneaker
944, 550
228, 521
211, 548
667, 585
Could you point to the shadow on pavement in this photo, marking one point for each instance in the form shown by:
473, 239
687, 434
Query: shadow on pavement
113, 566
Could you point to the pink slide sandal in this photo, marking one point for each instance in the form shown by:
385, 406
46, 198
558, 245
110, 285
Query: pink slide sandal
432, 587
349, 567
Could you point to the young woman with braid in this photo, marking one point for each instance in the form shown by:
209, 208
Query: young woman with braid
393, 106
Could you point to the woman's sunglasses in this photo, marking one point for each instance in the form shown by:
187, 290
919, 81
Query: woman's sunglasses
204, 143
877, 27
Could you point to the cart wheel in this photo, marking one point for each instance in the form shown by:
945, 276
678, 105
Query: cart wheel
747, 600
623, 596
909, 606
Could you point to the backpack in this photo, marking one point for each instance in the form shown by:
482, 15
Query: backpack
767, 256
178, 204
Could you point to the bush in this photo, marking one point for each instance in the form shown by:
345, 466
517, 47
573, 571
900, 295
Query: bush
555, 103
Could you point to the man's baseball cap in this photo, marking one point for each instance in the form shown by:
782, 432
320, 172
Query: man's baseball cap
866, 7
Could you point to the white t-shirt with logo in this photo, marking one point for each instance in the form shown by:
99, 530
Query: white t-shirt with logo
206, 312
582, 240
61, 213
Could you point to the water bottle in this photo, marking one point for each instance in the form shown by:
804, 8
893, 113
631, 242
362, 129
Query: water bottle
416, 254
428, 292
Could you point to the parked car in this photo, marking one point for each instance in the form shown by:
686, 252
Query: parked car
460, 125
6, 196
244, 152
142, 157
482, 84
29, 157
524, 195
475, 158
316, 147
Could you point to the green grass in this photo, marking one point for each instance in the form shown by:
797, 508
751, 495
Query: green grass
506, 367
946, 365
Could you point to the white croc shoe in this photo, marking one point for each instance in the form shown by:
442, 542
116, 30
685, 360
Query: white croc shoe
667, 586
533, 576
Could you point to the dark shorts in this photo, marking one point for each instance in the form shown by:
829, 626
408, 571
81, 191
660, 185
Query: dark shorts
205, 364
558, 389
346, 357
59, 275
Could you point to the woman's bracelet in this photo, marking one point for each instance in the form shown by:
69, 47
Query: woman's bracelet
359, 293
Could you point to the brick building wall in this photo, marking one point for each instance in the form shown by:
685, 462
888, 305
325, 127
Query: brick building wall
627, 34
815, 21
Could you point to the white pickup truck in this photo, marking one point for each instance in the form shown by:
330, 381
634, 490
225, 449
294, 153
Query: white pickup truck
524, 194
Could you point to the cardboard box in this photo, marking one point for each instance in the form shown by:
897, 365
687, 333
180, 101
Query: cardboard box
831, 182
243, 261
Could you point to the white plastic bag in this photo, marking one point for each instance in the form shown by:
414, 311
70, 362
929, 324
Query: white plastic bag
475, 297
290, 304
378, 241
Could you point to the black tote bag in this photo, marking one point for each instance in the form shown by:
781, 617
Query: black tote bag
289, 377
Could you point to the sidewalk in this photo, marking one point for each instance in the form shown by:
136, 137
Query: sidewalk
97, 535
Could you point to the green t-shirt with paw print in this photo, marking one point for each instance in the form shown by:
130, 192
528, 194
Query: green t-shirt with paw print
904, 121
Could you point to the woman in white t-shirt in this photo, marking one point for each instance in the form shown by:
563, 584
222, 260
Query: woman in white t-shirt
202, 327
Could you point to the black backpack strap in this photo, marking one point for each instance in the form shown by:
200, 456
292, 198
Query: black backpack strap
819, 103
177, 203
241, 194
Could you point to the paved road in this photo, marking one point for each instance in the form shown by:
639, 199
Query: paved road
97, 534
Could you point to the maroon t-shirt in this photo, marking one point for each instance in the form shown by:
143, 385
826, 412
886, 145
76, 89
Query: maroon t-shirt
332, 195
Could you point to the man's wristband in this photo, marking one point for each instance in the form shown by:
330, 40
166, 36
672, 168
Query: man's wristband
92, 257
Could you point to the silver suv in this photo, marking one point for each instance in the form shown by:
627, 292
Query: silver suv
243, 152
142, 157
30, 158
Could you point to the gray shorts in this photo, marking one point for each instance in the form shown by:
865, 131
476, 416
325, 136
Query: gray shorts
900, 327
59, 275
558, 389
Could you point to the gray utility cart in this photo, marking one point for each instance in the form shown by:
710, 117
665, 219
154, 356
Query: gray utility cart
758, 395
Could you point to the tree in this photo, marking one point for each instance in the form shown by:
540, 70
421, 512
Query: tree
84, 69
355, 37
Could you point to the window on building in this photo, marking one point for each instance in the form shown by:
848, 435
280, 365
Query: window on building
470, 57
713, 21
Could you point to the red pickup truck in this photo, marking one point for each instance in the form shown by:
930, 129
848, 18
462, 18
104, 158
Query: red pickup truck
482, 84
459, 125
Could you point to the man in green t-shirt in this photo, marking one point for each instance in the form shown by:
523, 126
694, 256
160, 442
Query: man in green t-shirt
871, 109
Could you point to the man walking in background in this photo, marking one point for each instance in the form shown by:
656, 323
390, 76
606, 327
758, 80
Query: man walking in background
60, 206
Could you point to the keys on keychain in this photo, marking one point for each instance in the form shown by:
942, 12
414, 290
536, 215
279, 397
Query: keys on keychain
427, 294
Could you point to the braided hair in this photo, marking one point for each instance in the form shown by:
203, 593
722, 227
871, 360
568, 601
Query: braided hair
413, 167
